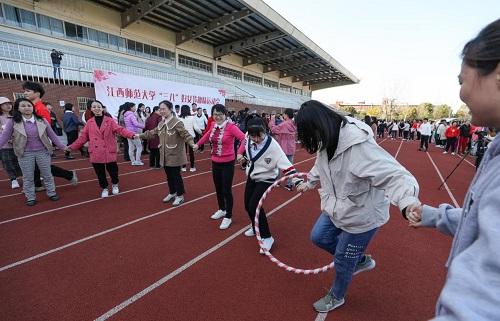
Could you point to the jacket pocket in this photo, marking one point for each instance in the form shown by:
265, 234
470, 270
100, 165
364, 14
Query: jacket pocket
357, 192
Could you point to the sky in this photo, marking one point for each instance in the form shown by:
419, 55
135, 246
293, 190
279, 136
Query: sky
403, 49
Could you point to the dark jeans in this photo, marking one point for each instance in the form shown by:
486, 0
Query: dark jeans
126, 157
100, 170
57, 68
253, 192
174, 180
10, 163
191, 155
222, 174
154, 157
347, 248
56, 172
196, 139
424, 141
451, 142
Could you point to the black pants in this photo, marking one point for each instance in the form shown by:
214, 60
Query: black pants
196, 139
56, 172
125, 149
154, 157
253, 192
174, 180
100, 170
451, 143
222, 174
191, 155
72, 136
424, 141
405, 134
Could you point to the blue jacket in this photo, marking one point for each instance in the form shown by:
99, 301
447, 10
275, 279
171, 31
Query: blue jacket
71, 122
472, 288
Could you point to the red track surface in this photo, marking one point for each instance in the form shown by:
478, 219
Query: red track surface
55, 266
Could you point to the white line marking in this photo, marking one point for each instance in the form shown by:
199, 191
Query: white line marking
181, 269
401, 144
466, 160
94, 199
6, 267
442, 180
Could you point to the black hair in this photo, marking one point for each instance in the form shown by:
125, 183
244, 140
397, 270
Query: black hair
155, 108
140, 105
167, 103
89, 104
16, 114
177, 106
68, 106
318, 127
368, 120
127, 106
483, 52
36, 87
255, 125
219, 108
289, 113
147, 110
185, 111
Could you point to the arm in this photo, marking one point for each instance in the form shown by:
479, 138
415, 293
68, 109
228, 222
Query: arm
53, 137
313, 175
385, 173
119, 130
286, 167
7, 132
135, 122
185, 135
205, 137
445, 218
82, 139
149, 134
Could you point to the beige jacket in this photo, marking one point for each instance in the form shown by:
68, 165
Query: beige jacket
19, 138
172, 136
360, 179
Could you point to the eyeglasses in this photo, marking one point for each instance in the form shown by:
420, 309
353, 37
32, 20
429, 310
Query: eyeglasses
218, 114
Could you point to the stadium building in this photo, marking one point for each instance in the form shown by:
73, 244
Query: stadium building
243, 47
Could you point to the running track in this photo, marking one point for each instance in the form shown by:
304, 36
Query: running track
130, 257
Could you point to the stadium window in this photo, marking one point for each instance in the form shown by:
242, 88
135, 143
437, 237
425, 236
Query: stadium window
56, 27
28, 19
196, 64
147, 51
75, 32
131, 47
285, 88
1, 13
154, 52
43, 24
18, 95
270, 84
113, 42
93, 37
103, 39
12, 15
139, 48
297, 91
82, 103
228, 72
252, 79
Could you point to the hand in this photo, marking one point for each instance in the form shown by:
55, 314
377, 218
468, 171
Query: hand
240, 159
67, 149
195, 147
414, 214
136, 136
303, 187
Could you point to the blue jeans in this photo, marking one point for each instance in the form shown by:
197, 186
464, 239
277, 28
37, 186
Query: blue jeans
57, 67
347, 248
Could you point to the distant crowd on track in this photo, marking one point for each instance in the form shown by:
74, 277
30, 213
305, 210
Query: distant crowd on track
359, 179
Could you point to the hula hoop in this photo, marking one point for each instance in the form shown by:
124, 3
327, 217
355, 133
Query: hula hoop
259, 239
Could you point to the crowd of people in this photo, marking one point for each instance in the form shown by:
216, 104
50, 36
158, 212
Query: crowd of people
358, 178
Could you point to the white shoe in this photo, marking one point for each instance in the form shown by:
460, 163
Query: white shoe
267, 244
218, 214
192, 169
105, 193
14, 184
115, 190
183, 169
139, 163
133, 163
225, 223
249, 232
453, 153
74, 179
445, 152
169, 197
178, 200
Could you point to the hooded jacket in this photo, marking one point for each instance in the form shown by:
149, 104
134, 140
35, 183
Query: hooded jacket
472, 288
285, 135
355, 182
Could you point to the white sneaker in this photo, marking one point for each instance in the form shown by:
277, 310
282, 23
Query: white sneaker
218, 214
115, 190
169, 197
105, 193
249, 232
139, 163
14, 184
178, 200
445, 152
183, 169
192, 169
225, 223
267, 244
133, 163
453, 153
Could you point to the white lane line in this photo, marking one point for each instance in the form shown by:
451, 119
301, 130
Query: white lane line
181, 269
473, 165
442, 180
6, 267
321, 316
397, 153
94, 199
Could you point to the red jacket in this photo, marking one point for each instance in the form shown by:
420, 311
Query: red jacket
151, 123
42, 111
102, 141
452, 132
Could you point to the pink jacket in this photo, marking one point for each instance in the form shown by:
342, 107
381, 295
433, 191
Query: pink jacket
223, 150
102, 141
285, 135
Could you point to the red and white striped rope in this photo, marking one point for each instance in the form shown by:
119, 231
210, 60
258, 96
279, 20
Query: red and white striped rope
259, 239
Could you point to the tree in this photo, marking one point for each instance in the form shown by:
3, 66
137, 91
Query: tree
442, 111
374, 111
463, 113
425, 110
350, 110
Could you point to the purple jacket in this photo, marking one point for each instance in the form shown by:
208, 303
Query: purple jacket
132, 124
285, 134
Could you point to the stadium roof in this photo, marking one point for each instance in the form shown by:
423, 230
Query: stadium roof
249, 28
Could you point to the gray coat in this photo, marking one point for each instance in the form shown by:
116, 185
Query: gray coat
472, 288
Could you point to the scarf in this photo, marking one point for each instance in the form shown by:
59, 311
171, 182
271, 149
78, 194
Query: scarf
221, 128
